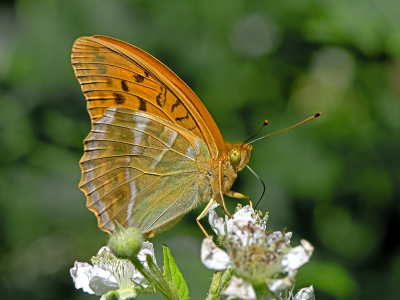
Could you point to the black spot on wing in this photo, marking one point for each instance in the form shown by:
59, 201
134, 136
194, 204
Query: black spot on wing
158, 100
124, 86
182, 118
119, 98
190, 129
146, 74
142, 104
138, 78
109, 82
177, 103
161, 98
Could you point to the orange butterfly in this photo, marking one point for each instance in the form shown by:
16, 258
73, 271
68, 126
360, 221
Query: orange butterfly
154, 151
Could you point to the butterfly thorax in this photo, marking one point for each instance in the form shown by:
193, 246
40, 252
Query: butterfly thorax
233, 160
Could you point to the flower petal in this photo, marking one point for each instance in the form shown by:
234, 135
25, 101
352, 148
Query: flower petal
288, 236
81, 274
103, 249
217, 223
297, 256
246, 213
276, 285
212, 256
237, 288
278, 235
147, 249
305, 294
102, 281
242, 216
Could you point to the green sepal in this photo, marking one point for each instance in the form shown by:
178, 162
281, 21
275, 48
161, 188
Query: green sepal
215, 287
218, 284
174, 276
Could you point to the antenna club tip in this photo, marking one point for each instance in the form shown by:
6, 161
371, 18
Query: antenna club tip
265, 122
317, 114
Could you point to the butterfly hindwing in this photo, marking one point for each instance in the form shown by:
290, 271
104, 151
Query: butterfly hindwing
143, 171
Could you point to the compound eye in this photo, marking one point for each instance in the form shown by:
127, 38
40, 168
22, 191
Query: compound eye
235, 156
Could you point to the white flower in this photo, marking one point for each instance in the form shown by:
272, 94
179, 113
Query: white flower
245, 214
109, 273
256, 256
213, 257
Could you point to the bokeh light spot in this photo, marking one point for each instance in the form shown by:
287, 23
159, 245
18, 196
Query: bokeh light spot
254, 36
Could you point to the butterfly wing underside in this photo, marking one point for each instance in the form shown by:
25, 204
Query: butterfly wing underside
142, 171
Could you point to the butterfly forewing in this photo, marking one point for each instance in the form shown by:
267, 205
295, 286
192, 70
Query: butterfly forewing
143, 171
112, 76
109, 80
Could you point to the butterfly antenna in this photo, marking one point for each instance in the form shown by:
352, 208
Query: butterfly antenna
308, 119
265, 124
262, 195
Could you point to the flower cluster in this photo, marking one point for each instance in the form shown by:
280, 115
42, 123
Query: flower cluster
109, 274
259, 264
263, 263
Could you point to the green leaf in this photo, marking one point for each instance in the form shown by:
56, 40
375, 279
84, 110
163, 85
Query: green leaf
174, 276
158, 280
155, 277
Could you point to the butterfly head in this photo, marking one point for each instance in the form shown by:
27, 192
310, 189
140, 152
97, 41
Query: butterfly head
239, 155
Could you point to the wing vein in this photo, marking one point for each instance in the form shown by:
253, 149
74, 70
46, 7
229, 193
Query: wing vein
163, 213
107, 182
152, 104
127, 143
131, 199
97, 122
99, 213
112, 65
118, 78
121, 112
124, 155
130, 167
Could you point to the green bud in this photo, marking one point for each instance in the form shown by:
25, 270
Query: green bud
126, 243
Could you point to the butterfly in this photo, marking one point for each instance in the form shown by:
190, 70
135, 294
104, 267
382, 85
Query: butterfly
154, 152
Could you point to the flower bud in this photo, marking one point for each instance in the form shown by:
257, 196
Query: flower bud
126, 243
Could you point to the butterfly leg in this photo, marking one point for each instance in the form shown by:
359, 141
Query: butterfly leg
203, 214
221, 176
238, 196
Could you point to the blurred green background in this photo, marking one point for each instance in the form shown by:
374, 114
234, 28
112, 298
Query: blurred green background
333, 181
